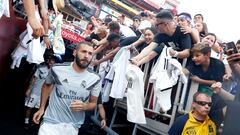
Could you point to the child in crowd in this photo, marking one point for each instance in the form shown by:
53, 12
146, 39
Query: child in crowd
33, 92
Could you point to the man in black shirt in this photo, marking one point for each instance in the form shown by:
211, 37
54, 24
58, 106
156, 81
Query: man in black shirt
169, 35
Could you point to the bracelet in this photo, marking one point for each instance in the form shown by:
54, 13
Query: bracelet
45, 35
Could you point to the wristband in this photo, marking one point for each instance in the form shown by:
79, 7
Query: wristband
45, 35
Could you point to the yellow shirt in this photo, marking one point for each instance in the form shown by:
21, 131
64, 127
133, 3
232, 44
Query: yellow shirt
194, 127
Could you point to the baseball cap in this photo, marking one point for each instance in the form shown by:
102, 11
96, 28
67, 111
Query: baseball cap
165, 14
205, 89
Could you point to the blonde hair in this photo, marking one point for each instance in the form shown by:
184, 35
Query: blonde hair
100, 30
202, 47
58, 4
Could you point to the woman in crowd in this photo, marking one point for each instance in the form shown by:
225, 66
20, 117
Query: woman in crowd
145, 39
202, 29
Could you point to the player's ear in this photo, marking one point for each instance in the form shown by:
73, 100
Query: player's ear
208, 54
74, 53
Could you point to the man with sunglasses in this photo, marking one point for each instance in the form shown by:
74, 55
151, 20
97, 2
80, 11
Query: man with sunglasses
197, 121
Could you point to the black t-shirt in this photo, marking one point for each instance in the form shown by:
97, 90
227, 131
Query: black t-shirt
127, 41
94, 36
215, 70
136, 31
178, 41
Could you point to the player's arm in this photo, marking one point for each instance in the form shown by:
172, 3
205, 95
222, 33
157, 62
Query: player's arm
46, 91
33, 80
102, 115
92, 103
95, 90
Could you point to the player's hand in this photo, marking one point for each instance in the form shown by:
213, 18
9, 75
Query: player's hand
78, 105
37, 116
103, 123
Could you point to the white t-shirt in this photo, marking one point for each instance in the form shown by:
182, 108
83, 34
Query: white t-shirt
135, 95
118, 69
4, 8
126, 31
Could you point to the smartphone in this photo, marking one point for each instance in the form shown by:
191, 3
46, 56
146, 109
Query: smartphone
230, 48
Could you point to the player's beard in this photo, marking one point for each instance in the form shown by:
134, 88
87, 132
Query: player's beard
82, 63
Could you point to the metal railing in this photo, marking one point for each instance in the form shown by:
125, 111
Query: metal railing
157, 123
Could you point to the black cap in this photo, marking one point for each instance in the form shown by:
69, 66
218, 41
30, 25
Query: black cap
165, 14
107, 20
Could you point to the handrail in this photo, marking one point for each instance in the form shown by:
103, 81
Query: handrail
107, 129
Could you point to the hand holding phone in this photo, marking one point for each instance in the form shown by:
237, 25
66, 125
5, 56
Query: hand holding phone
230, 48
234, 58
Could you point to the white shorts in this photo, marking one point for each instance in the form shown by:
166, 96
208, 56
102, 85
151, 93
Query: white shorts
32, 101
57, 129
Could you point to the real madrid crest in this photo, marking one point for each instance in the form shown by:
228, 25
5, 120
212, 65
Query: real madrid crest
84, 84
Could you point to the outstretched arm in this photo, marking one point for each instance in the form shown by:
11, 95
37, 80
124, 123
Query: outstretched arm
46, 91
37, 27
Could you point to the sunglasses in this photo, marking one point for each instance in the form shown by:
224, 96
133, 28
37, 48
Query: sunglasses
203, 103
160, 24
